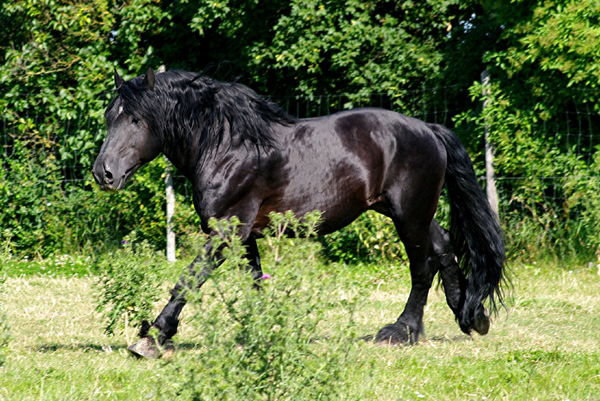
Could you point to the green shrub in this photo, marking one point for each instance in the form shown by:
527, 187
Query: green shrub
371, 237
129, 284
269, 344
583, 194
48, 216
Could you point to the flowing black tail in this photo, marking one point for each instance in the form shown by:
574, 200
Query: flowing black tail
478, 239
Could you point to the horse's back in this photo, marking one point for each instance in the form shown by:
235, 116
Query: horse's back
377, 143
364, 129
348, 162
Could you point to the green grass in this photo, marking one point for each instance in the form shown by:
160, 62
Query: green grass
53, 266
545, 347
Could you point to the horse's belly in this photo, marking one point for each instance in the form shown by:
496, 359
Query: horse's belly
339, 197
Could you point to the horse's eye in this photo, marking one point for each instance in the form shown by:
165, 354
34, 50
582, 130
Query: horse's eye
135, 121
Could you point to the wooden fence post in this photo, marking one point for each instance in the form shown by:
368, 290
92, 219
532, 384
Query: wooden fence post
490, 174
170, 194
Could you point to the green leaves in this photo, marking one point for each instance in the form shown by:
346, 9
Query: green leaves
541, 115
128, 284
372, 237
353, 46
560, 39
275, 343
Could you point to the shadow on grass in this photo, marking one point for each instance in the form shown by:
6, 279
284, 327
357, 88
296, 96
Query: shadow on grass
438, 339
188, 346
445, 339
48, 348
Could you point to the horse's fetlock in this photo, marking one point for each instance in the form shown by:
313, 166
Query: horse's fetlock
144, 329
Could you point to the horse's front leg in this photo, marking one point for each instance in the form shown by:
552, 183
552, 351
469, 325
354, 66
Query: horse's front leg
167, 322
253, 257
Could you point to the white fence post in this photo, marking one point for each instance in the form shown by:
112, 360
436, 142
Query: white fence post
490, 174
170, 193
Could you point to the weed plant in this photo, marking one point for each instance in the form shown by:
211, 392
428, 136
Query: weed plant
128, 284
267, 344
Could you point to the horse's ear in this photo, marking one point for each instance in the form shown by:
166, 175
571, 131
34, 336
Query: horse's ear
149, 79
118, 80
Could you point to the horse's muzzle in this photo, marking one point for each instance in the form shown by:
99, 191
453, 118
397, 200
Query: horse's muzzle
104, 177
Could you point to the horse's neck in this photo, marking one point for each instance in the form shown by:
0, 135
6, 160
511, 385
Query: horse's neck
192, 161
183, 156
187, 154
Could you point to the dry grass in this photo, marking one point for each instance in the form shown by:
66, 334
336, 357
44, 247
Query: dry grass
547, 347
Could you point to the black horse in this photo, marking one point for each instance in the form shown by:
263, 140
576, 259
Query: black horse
246, 157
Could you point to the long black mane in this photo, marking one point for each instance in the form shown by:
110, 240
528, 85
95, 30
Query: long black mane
185, 105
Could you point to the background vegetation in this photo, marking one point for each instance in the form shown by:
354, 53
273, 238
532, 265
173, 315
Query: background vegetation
421, 58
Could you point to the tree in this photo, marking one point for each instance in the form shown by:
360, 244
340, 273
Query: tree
542, 112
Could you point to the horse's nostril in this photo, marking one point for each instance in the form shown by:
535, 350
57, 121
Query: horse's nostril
108, 175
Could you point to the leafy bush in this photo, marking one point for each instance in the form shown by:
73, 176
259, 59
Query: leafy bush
371, 237
267, 344
47, 216
545, 174
128, 284
584, 193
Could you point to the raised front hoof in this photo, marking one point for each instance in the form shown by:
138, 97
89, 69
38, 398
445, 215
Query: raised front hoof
147, 348
393, 334
482, 321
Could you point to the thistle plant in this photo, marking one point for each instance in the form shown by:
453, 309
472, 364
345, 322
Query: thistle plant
274, 343
128, 285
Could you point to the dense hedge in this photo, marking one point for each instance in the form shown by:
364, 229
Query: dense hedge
57, 58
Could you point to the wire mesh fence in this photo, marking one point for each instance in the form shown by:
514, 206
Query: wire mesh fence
54, 156
435, 105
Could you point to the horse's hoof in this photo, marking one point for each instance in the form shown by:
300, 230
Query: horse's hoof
482, 322
146, 347
393, 335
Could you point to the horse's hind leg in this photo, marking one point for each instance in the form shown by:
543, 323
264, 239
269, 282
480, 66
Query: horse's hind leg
453, 278
423, 267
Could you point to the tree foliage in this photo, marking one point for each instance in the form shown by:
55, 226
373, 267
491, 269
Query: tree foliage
542, 113
57, 58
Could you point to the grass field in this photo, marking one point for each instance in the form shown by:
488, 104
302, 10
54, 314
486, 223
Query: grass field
546, 346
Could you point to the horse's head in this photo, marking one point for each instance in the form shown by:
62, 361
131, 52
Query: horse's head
129, 142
